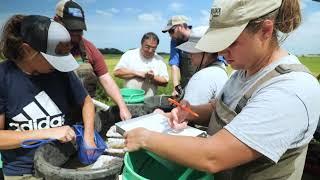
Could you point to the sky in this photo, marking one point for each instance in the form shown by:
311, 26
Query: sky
121, 23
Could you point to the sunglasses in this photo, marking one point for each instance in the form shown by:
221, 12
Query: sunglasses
171, 31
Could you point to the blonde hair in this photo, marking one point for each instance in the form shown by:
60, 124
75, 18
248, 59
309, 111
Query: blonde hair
286, 19
289, 16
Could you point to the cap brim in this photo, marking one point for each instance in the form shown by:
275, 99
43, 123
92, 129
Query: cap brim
62, 63
218, 39
166, 29
74, 24
189, 47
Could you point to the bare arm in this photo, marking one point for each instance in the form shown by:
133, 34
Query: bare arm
175, 75
113, 91
10, 139
160, 81
88, 113
213, 154
179, 115
125, 73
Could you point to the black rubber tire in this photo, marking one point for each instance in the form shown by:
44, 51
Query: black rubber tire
51, 157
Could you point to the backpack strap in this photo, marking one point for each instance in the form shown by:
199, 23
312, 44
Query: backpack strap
279, 70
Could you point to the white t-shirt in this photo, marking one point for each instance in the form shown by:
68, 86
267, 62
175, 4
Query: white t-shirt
133, 60
206, 84
282, 114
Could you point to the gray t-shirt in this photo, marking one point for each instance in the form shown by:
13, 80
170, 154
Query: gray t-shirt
282, 114
206, 84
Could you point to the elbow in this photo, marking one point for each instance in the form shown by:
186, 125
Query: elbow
88, 102
212, 167
212, 164
116, 73
164, 84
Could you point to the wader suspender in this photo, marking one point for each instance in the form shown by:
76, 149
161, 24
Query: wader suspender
281, 69
186, 68
290, 165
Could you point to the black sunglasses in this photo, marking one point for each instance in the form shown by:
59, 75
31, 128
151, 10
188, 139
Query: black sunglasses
171, 31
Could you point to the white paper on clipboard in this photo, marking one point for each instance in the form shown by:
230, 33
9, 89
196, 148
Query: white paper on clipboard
156, 122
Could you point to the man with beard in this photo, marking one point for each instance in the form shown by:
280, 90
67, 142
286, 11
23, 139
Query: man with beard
92, 65
180, 62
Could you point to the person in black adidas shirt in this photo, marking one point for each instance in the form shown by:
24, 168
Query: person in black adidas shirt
37, 90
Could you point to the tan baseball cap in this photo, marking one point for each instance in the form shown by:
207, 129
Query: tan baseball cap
175, 20
229, 18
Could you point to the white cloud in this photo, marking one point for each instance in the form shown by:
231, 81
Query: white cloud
132, 10
104, 13
176, 7
120, 37
108, 13
150, 17
114, 10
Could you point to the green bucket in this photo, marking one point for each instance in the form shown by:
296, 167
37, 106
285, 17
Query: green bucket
132, 96
144, 165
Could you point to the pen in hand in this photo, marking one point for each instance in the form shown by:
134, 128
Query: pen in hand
183, 107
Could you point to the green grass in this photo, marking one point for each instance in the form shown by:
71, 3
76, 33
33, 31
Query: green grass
313, 63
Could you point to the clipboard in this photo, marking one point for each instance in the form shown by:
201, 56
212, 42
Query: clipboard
159, 123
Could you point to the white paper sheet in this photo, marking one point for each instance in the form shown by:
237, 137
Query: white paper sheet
156, 122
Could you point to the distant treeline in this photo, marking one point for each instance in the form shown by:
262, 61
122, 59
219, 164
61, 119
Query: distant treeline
110, 51
117, 51
310, 55
163, 53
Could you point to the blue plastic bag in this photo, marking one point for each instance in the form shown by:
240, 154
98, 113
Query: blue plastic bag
88, 155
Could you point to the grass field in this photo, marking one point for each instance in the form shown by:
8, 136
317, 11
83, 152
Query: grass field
313, 63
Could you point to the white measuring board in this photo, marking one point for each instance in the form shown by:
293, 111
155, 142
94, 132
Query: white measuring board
156, 122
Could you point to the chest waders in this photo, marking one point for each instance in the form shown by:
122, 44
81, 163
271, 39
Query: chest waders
186, 68
85, 72
291, 164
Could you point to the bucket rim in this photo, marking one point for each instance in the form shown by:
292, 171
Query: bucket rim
125, 161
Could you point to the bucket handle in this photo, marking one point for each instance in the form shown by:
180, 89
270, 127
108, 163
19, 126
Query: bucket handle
186, 174
189, 171
131, 96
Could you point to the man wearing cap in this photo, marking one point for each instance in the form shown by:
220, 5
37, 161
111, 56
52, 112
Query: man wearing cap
143, 68
180, 62
92, 65
210, 75
38, 89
